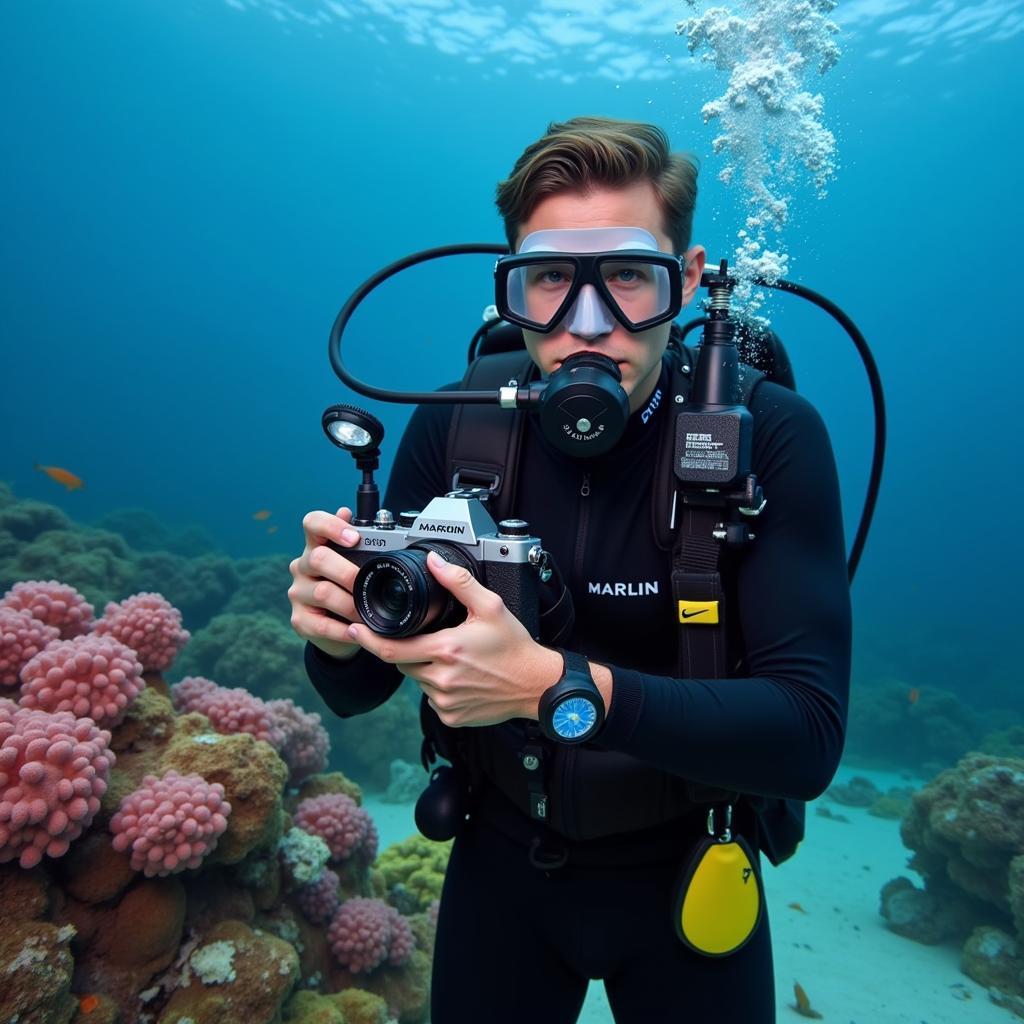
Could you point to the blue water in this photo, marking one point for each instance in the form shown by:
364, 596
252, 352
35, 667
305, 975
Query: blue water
191, 190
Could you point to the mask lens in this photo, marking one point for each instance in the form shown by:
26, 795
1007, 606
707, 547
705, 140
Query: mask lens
641, 290
537, 290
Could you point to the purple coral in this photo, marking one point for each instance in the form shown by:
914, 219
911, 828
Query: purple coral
90, 676
57, 604
22, 637
170, 823
229, 710
364, 933
53, 772
319, 901
304, 741
341, 823
150, 625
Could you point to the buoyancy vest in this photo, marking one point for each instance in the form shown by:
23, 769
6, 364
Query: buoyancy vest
483, 451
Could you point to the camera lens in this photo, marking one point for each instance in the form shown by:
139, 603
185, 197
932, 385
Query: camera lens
397, 595
389, 594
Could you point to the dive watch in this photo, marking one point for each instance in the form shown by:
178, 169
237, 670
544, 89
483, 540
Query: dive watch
572, 710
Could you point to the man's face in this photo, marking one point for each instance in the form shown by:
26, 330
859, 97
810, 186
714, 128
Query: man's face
637, 354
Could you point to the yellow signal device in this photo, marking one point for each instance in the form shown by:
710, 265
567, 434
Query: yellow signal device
698, 613
718, 900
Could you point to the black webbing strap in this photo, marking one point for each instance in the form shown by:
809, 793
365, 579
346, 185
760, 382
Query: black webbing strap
483, 441
699, 596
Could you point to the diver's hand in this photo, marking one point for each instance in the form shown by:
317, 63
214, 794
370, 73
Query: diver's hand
322, 583
486, 670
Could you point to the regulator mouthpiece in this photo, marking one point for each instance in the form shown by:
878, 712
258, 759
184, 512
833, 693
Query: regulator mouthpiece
584, 409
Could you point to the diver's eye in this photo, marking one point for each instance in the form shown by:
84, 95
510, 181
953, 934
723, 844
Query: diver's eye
550, 277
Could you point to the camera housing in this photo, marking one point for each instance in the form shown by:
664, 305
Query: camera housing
395, 592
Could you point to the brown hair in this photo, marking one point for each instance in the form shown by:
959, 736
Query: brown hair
576, 155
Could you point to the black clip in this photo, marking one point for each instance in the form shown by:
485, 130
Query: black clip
547, 859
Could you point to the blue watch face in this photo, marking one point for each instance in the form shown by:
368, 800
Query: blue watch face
573, 718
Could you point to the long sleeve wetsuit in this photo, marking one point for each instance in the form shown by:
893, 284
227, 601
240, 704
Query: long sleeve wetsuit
777, 728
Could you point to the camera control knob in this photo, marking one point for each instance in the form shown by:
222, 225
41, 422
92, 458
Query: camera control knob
406, 519
513, 528
384, 520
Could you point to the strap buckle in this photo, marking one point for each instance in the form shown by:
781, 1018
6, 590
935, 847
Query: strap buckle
474, 483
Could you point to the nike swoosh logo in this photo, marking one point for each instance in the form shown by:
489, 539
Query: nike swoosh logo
690, 615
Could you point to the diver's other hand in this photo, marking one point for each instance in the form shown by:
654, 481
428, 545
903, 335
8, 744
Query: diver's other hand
322, 579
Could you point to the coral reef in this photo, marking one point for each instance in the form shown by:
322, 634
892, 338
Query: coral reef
22, 637
966, 828
53, 772
254, 651
91, 676
237, 974
320, 900
413, 872
200, 587
263, 587
344, 826
365, 933
94, 562
170, 907
149, 625
37, 968
54, 603
170, 823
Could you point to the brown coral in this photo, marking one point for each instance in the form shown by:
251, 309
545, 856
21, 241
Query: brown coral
36, 965
236, 974
252, 774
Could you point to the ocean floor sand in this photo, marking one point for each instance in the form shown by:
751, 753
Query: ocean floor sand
854, 969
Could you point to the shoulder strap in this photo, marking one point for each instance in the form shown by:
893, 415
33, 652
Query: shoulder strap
484, 440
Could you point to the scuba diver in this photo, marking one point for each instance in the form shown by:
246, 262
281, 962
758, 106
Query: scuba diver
638, 700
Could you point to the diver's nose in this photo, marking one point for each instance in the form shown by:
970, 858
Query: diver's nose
589, 316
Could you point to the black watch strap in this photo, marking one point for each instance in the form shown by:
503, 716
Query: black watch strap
575, 662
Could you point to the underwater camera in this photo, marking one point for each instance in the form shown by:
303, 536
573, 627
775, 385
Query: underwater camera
395, 593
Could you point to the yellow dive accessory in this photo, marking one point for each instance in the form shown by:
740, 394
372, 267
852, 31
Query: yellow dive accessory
718, 897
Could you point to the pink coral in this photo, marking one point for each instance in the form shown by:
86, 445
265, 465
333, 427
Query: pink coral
148, 624
305, 744
191, 693
319, 901
56, 604
22, 637
229, 710
341, 823
170, 823
366, 932
53, 772
91, 676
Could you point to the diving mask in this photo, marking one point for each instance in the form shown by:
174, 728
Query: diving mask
586, 276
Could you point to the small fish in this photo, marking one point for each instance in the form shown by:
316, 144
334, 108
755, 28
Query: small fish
803, 1004
88, 1003
796, 906
262, 514
271, 529
913, 695
62, 476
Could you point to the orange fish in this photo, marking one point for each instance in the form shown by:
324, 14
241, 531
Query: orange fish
62, 476
803, 1004
271, 529
88, 1003
913, 694
796, 906
262, 514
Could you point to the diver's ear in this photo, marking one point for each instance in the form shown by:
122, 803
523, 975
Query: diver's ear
695, 257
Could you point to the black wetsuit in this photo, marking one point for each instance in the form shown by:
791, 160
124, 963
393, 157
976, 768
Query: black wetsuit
517, 943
